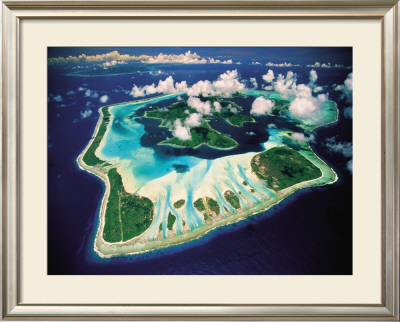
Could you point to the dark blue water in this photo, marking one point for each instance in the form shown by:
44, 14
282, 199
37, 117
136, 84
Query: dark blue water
309, 233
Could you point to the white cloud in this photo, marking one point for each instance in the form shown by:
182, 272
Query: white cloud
151, 89
58, 98
104, 98
158, 72
318, 89
109, 63
307, 107
85, 59
228, 62
271, 126
199, 106
181, 132
81, 89
348, 112
113, 63
304, 105
327, 65
166, 86
261, 106
227, 84
301, 138
232, 109
71, 93
322, 98
302, 90
186, 58
253, 81
217, 106
91, 93
214, 61
193, 120
179, 98
269, 77
86, 113
217, 61
255, 63
348, 83
203, 88
315, 65
285, 64
113, 58
313, 76
136, 91
349, 166
181, 87
251, 133
286, 86
344, 148
348, 88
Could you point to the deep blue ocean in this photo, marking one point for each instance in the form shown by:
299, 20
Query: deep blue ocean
308, 233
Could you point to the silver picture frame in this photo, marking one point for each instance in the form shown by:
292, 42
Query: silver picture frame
15, 11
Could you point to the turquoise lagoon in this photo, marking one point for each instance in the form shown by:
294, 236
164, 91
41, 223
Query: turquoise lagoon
153, 175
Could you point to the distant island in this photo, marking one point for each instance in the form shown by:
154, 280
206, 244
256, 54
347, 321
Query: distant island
154, 201
107, 71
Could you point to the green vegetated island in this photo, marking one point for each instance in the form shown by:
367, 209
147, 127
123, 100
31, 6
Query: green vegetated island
130, 222
204, 133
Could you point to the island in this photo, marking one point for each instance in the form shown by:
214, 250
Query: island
170, 190
203, 133
106, 71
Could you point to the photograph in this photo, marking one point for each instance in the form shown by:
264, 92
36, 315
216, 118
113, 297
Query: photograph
199, 160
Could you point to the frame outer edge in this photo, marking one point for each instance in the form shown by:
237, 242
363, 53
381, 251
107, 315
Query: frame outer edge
397, 224
2, 136
120, 12
203, 3
390, 164
204, 312
396, 162
9, 166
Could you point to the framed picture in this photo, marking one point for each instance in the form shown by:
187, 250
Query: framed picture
200, 160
